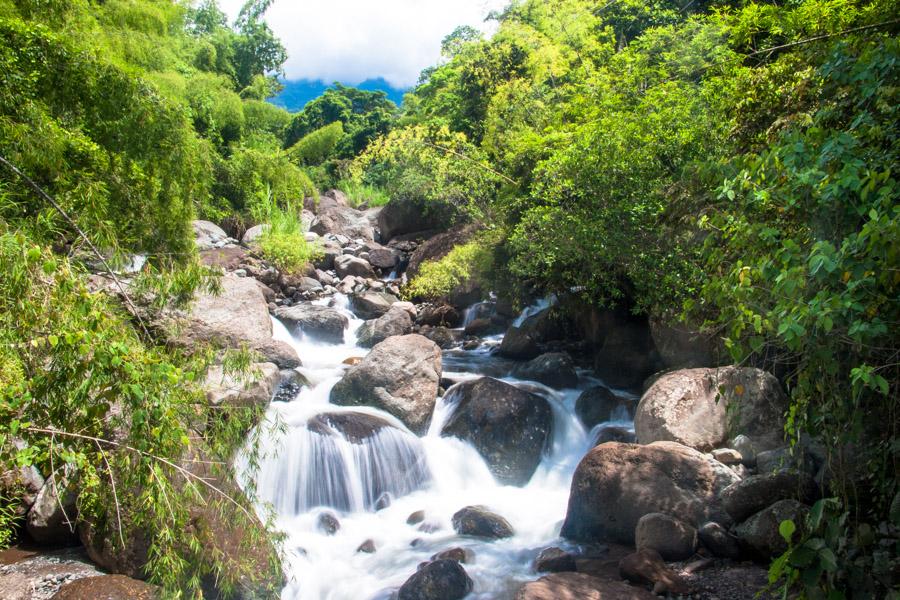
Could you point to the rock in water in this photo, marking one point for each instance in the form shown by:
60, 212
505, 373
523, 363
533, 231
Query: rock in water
554, 560
441, 579
617, 484
350, 265
395, 321
553, 369
322, 322
508, 426
597, 404
400, 375
371, 305
478, 521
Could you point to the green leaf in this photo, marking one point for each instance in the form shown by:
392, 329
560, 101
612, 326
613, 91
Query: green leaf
53, 340
828, 560
787, 529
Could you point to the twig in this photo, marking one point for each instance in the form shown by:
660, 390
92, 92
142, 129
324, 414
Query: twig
184, 472
472, 160
56, 488
112, 481
40, 192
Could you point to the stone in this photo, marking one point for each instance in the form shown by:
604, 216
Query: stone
691, 407
719, 541
438, 315
613, 433
672, 538
371, 305
332, 218
459, 554
442, 579
760, 533
107, 587
727, 456
598, 405
208, 235
383, 258
647, 566
396, 321
580, 586
355, 427
756, 492
684, 347
509, 426
554, 560
328, 523
518, 343
478, 521
253, 389
22, 484
411, 214
616, 484
416, 517
252, 235
367, 547
553, 369
350, 265
400, 375
442, 336
321, 322
51, 519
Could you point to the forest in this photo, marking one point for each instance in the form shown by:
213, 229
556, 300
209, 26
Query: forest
727, 167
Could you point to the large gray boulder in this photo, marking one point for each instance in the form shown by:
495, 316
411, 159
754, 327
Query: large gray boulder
692, 407
479, 521
341, 220
672, 538
252, 235
395, 321
400, 375
237, 317
616, 484
208, 235
411, 215
51, 519
350, 265
598, 405
580, 586
252, 389
553, 369
524, 341
441, 579
760, 533
322, 322
509, 426
756, 492
371, 305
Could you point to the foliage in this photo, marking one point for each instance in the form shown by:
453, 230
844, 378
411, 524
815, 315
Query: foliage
283, 242
360, 193
316, 146
251, 178
472, 261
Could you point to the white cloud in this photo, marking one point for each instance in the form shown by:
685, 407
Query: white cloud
354, 40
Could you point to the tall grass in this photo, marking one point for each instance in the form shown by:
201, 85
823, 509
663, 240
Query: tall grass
360, 193
283, 242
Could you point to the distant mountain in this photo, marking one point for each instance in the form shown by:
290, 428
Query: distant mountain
297, 93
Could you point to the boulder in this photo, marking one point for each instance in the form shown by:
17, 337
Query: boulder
237, 317
350, 265
756, 492
580, 586
719, 541
442, 336
691, 406
612, 433
647, 566
553, 369
341, 220
616, 484
598, 404
672, 538
509, 427
727, 456
228, 258
107, 587
409, 215
328, 523
761, 532
322, 322
23, 484
438, 246
478, 521
396, 321
438, 315
554, 560
459, 554
400, 375
51, 519
252, 235
442, 579
383, 258
329, 252
371, 305
355, 427
242, 390
367, 547
208, 235
683, 347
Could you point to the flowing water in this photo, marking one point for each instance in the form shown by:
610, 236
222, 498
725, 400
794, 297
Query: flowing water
311, 468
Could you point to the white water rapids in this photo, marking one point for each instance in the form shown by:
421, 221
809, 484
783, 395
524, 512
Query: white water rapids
305, 473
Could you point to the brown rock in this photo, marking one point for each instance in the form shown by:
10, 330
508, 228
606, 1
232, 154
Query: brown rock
647, 566
579, 586
554, 560
107, 587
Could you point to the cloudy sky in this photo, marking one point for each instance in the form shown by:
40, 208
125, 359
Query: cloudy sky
354, 40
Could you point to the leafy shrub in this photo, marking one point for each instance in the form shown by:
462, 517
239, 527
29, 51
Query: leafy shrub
251, 179
318, 145
472, 261
283, 242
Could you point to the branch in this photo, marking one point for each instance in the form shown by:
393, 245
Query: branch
42, 194
824, 36
472, 160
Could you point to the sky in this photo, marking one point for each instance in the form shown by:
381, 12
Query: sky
354, 40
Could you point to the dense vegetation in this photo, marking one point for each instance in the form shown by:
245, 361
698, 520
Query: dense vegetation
730, 163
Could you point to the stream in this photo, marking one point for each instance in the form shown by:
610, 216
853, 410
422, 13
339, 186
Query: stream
306, 471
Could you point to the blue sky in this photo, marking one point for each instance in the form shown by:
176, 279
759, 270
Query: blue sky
355, 40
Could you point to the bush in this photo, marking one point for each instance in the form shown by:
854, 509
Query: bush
360, 193
283, 242
315, 147
472, 261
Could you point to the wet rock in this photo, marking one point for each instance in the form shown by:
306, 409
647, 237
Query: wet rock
508, 426
396, 321
328, 523
616, 484
553, 369
443, 337
673, 539
400, 375
383, 258
460, 555
719, 541
756, 492
355, 427
761, 532
350, 265
367, 547
597, 404
580, 586
51, 519
416, 517
321, 322
254, 388
690, 406
612, 433
519, 343
554, 560
437, 580
371, 305
383, 501
647, 566
440, 314
478, 521
107, 587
